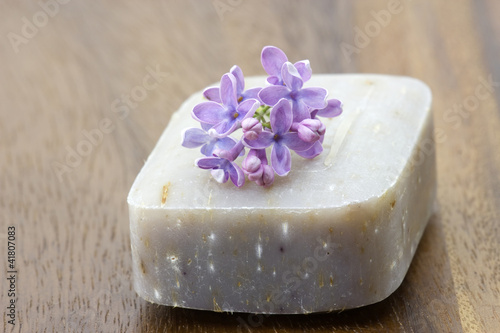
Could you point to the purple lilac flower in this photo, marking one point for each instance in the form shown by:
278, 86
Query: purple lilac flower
333, 109
273, 58
225, 117
257, 169
288, 119
213, 93
223, 166
201, 137
280, 137
222, 169
302, 99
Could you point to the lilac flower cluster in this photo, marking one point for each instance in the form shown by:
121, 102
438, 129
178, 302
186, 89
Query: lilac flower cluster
283, 115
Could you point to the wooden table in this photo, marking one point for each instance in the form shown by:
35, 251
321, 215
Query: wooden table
76, 125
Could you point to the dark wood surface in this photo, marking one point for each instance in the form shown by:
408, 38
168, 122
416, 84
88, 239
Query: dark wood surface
63, 79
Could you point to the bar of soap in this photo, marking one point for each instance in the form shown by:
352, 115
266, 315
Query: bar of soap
338, 232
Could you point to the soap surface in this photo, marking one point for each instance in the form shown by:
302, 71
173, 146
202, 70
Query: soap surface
338, 232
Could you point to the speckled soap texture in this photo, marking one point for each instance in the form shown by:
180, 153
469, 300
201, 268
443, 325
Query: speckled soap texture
338, 232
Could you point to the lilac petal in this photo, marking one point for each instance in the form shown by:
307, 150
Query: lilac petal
313, 97
208, 149
247, 108
272, 94
304, 69
224, 128
209, 112
225, 143
212, 94
194, 137
291, 76
236, 174
240, 79
281, 159
210, 162
312, 152
300, 111
272, 59
332, 109
274, 80
220, 175
252, 93
228, 91
294, 142
206, 127
281, 117
264, 140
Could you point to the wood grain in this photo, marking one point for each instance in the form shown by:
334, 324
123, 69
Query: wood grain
67, 79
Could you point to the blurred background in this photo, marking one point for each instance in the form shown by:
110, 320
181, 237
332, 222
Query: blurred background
79, 114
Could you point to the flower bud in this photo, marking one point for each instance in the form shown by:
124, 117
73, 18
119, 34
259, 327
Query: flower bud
255, 176
251, 164
310, 130
223, 154
251, 128
267, 176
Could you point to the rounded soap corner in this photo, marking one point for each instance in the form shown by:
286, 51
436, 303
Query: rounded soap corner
132, 199
424, 85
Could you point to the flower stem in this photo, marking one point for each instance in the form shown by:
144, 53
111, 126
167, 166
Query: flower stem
262, 114
234, 152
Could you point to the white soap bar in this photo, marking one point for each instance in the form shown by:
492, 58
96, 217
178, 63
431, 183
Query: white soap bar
338, 232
